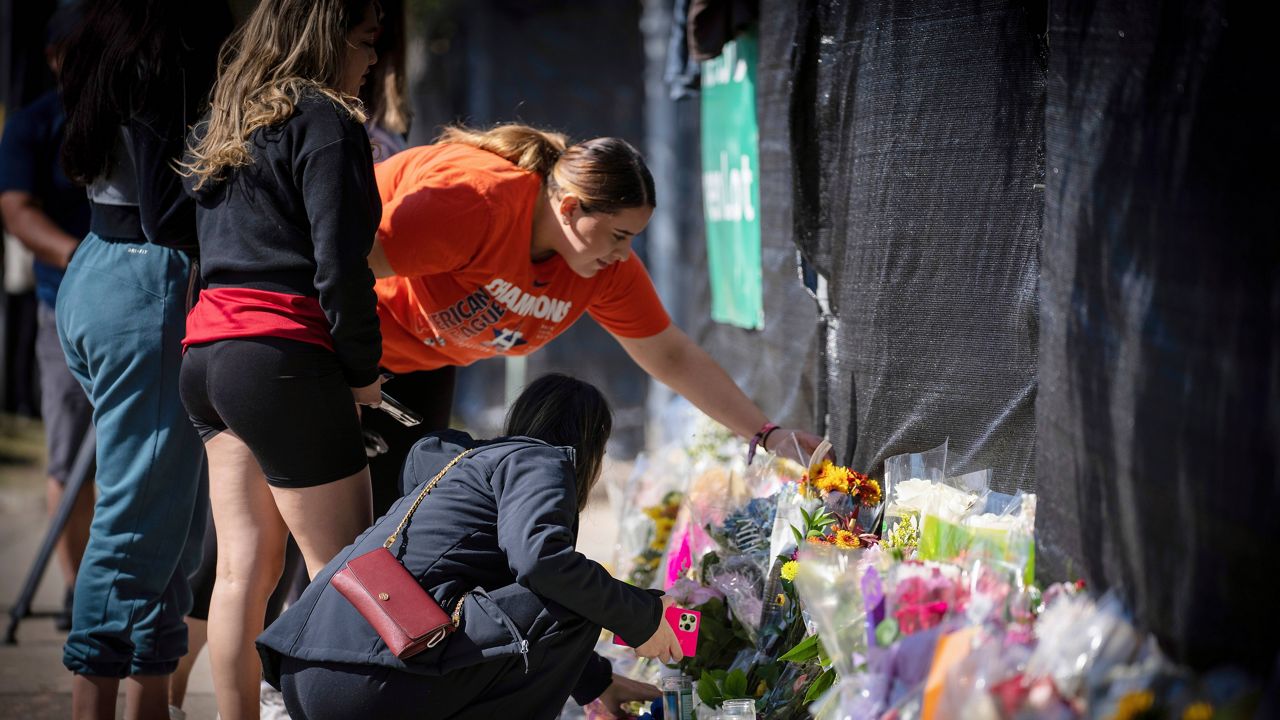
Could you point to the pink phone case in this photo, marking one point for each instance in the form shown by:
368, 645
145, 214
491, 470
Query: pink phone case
685, 623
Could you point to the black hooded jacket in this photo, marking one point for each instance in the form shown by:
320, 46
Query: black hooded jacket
503, 519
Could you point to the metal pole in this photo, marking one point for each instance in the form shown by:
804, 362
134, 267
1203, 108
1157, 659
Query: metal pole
660, 139
81, 470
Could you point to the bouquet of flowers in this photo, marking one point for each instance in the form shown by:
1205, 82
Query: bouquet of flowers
646, 506
644, 566
1000, 528
904, 476
828, 581
847, 504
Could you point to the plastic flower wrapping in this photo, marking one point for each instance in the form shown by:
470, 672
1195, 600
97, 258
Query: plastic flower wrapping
828, 593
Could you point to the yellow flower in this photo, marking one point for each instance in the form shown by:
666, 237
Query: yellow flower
1198, 711
817, 540
846, 539
654, 512
658, 544
1133, 704
832, 483
781, 599
761, 689
664, 526
789, 570
832, 478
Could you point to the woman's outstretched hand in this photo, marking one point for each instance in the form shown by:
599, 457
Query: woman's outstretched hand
800, 449
663, 646
624, 690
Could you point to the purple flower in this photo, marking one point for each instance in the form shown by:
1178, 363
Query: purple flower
690, 594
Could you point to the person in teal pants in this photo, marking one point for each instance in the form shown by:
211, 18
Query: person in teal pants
135, 76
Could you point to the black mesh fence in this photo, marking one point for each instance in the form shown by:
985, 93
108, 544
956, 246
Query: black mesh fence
1050, 236
1159, 410
915, 132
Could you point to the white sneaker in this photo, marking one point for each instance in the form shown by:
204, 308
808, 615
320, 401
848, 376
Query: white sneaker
271, 703
177, 713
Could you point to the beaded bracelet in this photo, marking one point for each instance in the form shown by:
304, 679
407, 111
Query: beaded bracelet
758, 440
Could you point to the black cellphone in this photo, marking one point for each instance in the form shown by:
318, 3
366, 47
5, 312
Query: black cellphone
399, 412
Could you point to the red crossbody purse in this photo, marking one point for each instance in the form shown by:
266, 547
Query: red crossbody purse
404, 615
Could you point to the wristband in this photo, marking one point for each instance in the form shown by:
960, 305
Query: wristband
764, 439
758, 439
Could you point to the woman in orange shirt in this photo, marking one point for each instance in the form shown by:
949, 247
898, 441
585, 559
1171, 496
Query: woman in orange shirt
494, 242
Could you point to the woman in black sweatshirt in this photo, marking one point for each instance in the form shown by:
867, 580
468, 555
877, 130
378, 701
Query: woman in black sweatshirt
284, 340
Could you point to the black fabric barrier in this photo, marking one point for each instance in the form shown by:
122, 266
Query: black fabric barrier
915, 132
1159, 407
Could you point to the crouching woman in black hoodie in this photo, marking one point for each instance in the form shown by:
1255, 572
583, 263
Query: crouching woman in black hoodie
495, 537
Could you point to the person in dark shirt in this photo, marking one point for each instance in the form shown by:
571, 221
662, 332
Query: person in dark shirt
49, 214
493, 542
283, 342
136, 73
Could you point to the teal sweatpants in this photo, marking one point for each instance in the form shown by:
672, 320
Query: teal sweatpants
121, 318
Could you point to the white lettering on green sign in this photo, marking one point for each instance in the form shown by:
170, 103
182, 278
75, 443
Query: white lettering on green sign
728, 192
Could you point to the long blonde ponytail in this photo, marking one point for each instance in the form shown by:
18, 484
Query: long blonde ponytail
607, 174
525, 147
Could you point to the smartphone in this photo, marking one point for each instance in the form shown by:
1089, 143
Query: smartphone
685, 623
401, 413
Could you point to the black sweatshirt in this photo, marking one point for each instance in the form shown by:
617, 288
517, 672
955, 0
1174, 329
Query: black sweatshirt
301, 219
150, 141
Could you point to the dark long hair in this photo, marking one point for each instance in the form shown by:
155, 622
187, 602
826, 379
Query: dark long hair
560, 410
383, 93
126, 56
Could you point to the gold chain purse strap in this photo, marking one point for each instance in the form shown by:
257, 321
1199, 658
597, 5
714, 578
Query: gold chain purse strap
421, 496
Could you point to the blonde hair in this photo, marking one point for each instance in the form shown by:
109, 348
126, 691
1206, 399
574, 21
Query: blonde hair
606, 174
285, 49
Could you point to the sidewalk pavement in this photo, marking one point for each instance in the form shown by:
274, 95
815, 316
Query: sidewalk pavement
33, 683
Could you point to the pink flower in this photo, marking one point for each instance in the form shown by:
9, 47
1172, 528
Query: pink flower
921, 603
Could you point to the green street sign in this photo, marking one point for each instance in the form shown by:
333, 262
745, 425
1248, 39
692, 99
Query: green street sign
730, 183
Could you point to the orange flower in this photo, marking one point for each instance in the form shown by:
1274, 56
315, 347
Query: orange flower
846, 539
869, 492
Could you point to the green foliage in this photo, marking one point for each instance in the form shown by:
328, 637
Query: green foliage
720, 639
815, 525
805, 651
768, 673
716, 686
709, 561
820, 685
709, 690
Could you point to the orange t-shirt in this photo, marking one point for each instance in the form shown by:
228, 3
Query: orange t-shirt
457, 223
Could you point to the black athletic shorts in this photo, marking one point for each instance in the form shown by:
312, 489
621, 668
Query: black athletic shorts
286, 399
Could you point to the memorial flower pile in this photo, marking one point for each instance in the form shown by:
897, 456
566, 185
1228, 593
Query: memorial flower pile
828, 594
